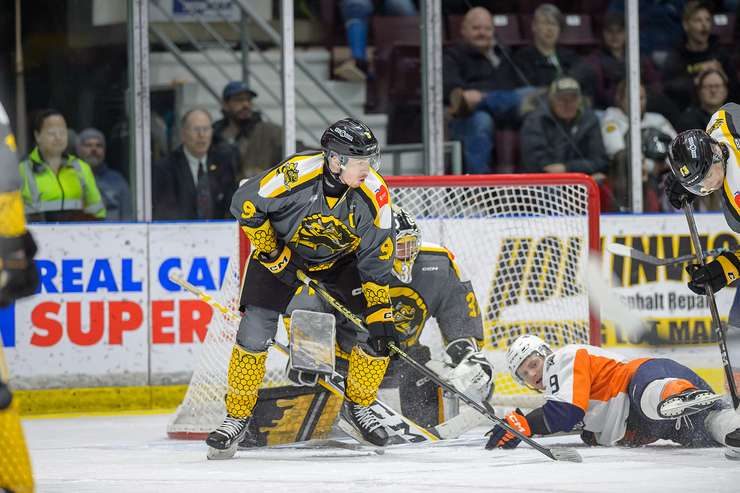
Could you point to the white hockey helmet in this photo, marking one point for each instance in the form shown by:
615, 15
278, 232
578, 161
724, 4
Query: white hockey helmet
522, 348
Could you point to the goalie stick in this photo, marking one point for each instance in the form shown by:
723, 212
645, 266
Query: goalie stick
625, 251
397, 423
688, 210
555, 453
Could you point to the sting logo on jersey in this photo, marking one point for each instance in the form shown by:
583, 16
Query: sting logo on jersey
409, 312
717, 123
289, 171
325, 231
737, 198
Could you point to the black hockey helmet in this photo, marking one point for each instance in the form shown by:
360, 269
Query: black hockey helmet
407, 244
350, 138
697, 160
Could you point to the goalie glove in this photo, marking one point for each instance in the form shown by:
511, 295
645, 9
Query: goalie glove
499, 437
723, 270
466, 369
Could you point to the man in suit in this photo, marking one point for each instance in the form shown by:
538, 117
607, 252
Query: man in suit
196, 180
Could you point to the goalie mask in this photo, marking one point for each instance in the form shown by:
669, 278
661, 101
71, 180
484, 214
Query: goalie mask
352, 142
698, 161
521, 349
407, 244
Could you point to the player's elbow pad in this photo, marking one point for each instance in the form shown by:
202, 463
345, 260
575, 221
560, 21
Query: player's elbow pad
562, 416
262, 237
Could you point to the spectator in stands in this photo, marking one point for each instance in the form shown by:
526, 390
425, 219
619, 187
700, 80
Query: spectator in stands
541, 63
563, 135
112, 185
356, 14
196, 180
699, 52
601, 72
479, 84
257, 144
657, 134
57, 186
711, 93
660, 25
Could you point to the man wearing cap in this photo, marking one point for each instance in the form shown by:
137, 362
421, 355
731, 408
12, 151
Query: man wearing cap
112, 185
257, 143
563, 136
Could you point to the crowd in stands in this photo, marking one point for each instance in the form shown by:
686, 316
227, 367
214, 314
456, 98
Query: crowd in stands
549, 101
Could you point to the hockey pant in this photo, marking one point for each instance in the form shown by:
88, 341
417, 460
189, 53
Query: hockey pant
647, 388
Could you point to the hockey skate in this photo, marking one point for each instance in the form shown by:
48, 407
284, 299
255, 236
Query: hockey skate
360, 423
224, 440
732, 440
686, 403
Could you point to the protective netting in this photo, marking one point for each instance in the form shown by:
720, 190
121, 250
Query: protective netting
522, 246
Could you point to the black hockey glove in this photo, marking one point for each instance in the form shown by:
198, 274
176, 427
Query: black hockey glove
382, 330
723, 270
18, 275
284, 264
499, 437
676, 192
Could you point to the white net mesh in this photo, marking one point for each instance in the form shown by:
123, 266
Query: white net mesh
521, 246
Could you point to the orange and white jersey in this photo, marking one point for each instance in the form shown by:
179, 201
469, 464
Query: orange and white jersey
588, 385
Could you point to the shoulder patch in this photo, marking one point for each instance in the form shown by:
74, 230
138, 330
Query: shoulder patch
378, 198
293, 173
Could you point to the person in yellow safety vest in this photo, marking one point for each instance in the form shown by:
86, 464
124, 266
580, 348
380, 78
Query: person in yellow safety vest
57, 186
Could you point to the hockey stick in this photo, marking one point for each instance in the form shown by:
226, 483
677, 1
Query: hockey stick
688, 210
555, 453
625, 251
402, 426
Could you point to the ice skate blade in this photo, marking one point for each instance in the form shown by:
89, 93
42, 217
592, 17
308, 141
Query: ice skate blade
353, 433
676, 407
218, 454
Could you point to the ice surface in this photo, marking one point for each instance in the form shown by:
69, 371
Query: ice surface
132, 454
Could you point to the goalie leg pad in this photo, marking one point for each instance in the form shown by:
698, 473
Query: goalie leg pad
364, 376
420, 397
246, 371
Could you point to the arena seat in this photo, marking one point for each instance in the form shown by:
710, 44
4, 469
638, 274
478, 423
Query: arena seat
724, 27
508, 149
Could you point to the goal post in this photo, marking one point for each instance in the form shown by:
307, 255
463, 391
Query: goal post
522, 240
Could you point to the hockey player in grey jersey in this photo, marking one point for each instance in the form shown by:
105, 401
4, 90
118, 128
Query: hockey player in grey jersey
327, 213
426, 284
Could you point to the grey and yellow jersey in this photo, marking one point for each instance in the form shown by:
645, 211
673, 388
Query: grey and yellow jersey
289, 198
435, 291
12, 217
724, 127
9, 178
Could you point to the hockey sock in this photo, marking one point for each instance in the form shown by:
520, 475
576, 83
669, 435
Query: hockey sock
246, 371
364, 376
15, 466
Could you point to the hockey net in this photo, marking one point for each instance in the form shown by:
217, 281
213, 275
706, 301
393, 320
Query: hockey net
522, 240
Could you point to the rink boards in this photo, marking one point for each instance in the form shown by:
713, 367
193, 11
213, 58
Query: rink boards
109, 324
